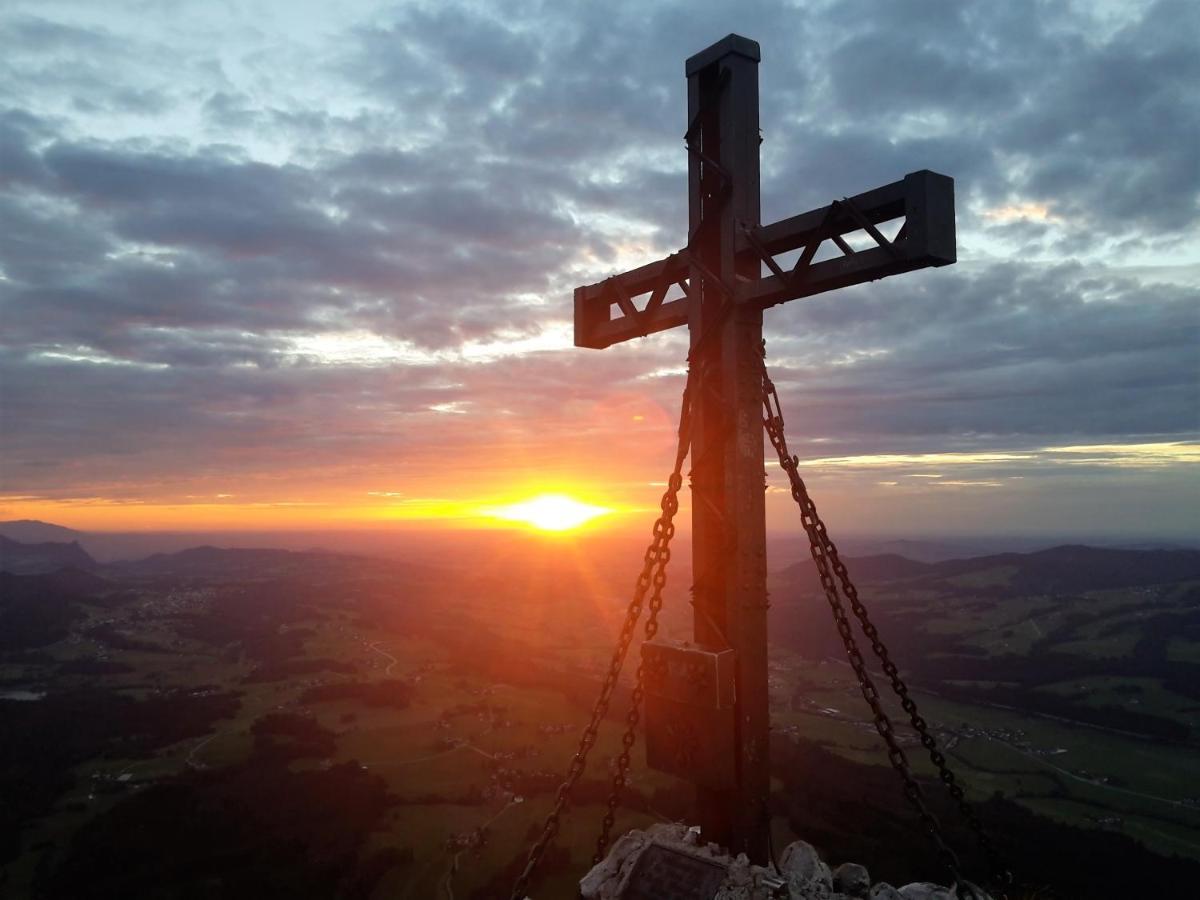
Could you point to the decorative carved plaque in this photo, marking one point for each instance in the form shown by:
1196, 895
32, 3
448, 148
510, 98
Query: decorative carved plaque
665, 874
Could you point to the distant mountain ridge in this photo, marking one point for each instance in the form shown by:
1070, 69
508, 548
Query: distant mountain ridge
1065, 568
33, 559
29, 547
1076, 567
210, 561
32, 531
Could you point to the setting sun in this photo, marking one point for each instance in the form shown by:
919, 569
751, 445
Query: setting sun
549, 512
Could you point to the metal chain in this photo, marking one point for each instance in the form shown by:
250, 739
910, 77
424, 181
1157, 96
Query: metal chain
826, 552
652, 575
820, 543
898, 685
670, 505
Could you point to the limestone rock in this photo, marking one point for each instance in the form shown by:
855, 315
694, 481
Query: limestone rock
605, 878
852, 879
739, 884
925, 890
802, 875
671, 832
804, 870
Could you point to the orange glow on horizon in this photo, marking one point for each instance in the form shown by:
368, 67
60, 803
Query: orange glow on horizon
497, 464
549, 512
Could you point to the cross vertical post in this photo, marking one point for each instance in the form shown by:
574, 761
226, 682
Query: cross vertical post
702, 723
727, 477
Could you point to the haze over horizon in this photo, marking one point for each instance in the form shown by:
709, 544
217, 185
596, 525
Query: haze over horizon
283, 266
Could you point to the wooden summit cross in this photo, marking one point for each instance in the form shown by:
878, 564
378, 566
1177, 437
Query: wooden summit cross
720, 742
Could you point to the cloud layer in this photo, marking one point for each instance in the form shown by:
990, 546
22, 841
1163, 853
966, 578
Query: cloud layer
302, 256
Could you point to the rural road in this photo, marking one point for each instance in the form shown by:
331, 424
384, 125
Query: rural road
448, 884
392, 660
190, 759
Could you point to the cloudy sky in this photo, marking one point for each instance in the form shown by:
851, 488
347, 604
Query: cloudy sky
284, 263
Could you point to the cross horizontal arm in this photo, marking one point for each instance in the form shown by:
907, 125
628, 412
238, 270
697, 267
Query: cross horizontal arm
593, 303
924, 200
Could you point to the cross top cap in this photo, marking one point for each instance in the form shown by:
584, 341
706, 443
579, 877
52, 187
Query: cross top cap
729, 45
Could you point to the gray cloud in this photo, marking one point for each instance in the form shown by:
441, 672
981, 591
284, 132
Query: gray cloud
440, 175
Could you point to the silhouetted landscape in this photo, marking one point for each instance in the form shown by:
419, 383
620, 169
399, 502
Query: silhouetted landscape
271, 723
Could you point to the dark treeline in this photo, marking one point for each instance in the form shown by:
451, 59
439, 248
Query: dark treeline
286, 669
392, 693
41, 742
283, 737
257, 831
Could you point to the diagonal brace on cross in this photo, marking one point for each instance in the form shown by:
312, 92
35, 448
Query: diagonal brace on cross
924, 200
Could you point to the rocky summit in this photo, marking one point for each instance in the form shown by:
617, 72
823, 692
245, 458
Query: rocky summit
663, 858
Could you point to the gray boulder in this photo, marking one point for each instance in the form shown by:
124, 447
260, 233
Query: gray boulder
603, 881
804, 870
739, 884
925, 890
852, 879
802, 874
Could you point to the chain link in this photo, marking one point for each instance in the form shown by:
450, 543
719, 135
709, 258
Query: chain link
621, 773
653, 574
829, 564
651, 579
670, 506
